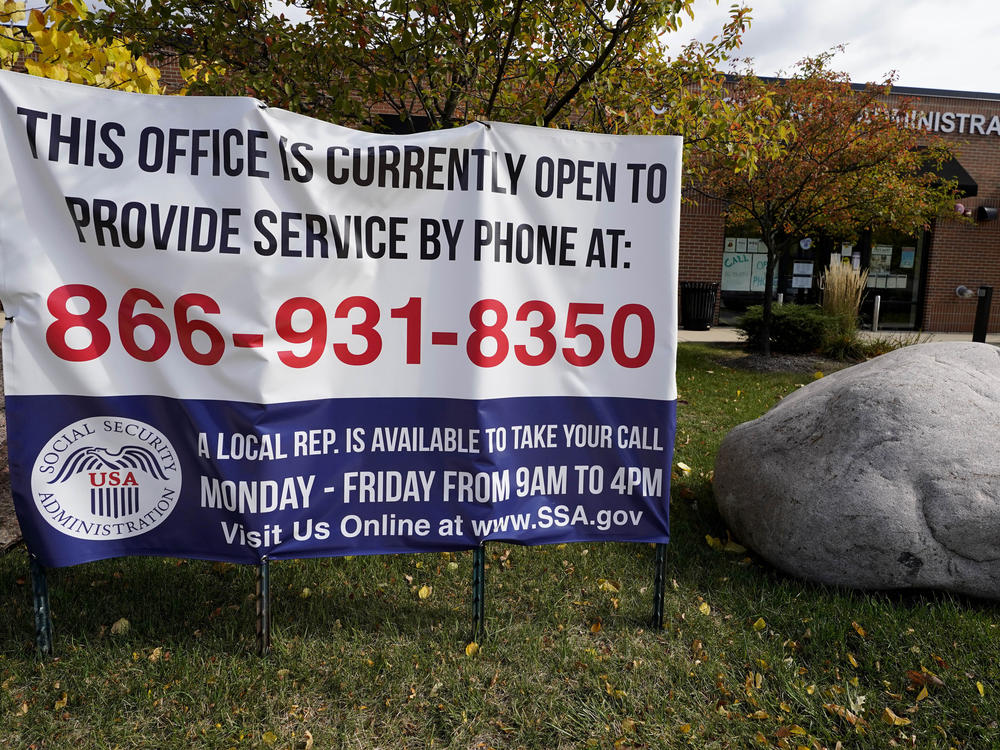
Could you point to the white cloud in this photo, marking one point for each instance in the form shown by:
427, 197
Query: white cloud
929, 44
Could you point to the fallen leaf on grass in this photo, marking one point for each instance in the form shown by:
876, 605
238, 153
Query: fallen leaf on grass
853, 719
269, 738
981, 689
858, 629
425, 591
890, 718
759, 624
924, 677
61, 703
789, 731
472, 649
704, 608
606, 585
120, 627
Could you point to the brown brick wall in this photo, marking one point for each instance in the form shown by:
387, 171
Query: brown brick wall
964, 253
702, 234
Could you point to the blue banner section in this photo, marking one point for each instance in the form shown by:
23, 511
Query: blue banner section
100, 477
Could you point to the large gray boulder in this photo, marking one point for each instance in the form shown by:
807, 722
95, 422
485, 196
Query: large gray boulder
884, 475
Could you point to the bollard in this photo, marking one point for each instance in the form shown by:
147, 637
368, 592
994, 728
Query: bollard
982, 323
876, 309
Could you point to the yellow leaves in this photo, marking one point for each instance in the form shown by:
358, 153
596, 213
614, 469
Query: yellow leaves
704, 608
471, 648
684, 728
156, 654
120, 627
853, 719
793, 729
612, 691
682, 468
981, 689
852, 660
605, 585
305, 593
858, 629
922, 694
759, 624
728, 546
61, 703
890, 718
425, 591
64, 55
36, 21
269, 738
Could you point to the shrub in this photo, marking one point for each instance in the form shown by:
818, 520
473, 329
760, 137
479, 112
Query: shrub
843, 287
795, 329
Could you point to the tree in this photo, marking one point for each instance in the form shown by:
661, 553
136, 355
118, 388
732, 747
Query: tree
46, 44
840, 160
436, 63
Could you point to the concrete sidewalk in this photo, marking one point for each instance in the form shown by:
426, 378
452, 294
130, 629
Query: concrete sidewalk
731, 334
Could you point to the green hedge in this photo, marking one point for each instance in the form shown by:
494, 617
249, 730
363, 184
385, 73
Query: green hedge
795, 329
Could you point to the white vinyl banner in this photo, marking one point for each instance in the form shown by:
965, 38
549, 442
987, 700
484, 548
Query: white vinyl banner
233, 331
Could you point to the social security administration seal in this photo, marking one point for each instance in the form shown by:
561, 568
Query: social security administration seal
106, 478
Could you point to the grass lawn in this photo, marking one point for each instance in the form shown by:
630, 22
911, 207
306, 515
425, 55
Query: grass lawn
371, 652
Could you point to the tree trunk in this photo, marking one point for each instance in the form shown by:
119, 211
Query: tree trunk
771, 240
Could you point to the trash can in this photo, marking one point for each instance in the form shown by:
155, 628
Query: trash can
698, 304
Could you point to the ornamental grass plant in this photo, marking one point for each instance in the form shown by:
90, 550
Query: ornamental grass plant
843, 289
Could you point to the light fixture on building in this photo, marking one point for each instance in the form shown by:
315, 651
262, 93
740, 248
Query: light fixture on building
986, 213
960, 208
963, 292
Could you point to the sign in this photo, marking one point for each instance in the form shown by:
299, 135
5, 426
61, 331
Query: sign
236, 332
737, 269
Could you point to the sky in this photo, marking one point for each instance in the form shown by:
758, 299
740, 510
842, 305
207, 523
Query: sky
928, 43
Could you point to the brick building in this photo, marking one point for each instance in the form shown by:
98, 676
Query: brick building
915, 277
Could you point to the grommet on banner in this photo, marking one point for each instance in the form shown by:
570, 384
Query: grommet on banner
485, 124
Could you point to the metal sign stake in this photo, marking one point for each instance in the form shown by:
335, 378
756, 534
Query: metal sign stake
478, 593
264, 607
659, 583
43, 614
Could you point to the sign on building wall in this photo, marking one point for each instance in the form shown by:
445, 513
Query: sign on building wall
234, 331
744, 265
